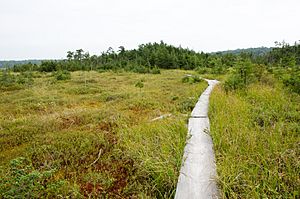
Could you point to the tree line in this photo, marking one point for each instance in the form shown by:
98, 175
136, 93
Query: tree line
146, 58
283, 61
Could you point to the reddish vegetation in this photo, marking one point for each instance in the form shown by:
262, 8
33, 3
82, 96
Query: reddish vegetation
68, 122
107, 126
120, 170
89, 188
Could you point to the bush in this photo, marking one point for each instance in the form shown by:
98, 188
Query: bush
293, 81
48, 66
7, 79
234, 82
187, 105
140, 69
23, 181
10, 81
219, 69
62, 75
241, 75
191, 79
25, 78
202, 70
25, 67
155, 70
139, 84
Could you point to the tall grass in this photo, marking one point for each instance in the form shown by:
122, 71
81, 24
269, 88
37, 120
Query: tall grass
256, 140
157, 148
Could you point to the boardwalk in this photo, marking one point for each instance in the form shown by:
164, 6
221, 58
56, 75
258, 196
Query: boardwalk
198, 171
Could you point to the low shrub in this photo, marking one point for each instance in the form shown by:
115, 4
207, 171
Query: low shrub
241, 75
202, 70
234, 82
140, 69
191, 79
155, 70
23, 181
293, 81
7, 79
48, 66
187, 105
10, 81
62, 75
139, 84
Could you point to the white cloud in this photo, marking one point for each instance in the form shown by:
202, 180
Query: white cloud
48, 28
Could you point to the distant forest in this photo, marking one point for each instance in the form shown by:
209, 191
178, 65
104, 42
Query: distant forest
163, 56
254, 51
11, 63
243, 65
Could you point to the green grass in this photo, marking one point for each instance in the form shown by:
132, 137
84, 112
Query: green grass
92, 135
256, 141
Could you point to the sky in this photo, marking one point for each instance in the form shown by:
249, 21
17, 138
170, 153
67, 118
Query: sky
47, 29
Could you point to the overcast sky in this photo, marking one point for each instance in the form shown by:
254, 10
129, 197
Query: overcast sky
49, 28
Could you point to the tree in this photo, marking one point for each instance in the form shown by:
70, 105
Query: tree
243, 67
78, 54
70, 55
121, 50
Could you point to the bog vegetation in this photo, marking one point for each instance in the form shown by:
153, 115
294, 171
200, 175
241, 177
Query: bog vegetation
93, 135
83, 126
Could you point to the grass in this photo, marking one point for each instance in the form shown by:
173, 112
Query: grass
256, 140
93, 135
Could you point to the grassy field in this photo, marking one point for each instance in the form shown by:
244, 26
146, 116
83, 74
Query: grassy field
93, 135
257, 143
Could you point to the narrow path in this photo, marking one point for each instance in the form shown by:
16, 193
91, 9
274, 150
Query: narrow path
197, 177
